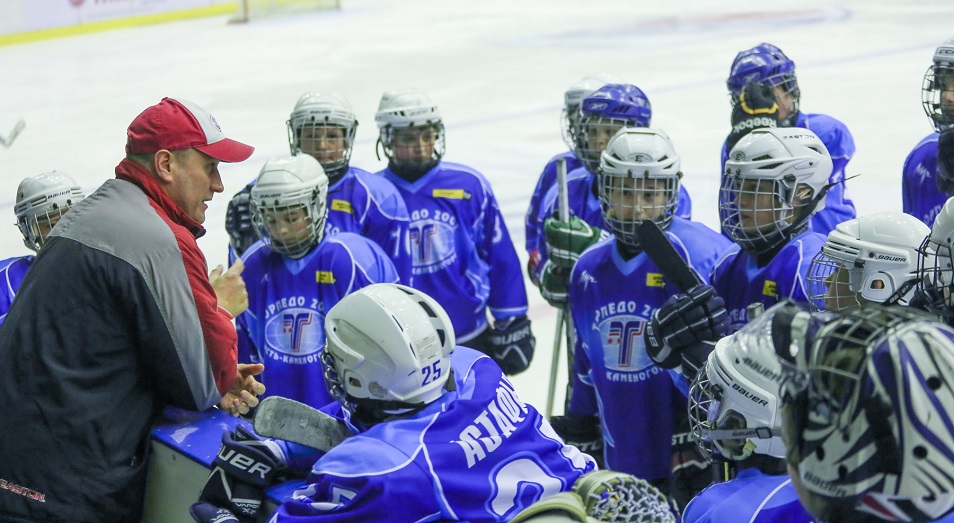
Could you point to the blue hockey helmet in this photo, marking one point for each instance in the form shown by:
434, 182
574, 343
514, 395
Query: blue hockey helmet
765, 64
603, 113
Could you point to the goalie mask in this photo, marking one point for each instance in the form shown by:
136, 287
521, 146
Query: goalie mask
775, 179
289, 204
872, 432
411, 132
869, 259
734, 405
603, 113
388, 351
767, 65
639, 180
573, 97
323, 125
937, 89
41, 201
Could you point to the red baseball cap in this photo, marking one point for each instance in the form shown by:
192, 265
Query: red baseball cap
179, 124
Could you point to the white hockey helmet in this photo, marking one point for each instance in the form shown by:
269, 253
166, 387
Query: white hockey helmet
937, 89
873, 431
388, 349
936, 264
573, 97
289, 204
410, 111
314, 115
734, 401
639, 180
774, 180
41, 201
869, 258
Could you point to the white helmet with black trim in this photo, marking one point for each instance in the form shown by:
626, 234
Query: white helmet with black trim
388, 350
734, 401
871, 258
872, 432
289, 204
41, 201
775, 179
639, 180
573, 97
323, 125
937, 89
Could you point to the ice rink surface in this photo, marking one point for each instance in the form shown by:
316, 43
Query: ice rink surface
497, 69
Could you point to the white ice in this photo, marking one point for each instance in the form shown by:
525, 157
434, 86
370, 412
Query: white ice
496, 68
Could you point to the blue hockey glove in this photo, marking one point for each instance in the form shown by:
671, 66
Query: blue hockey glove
238, 222
511, 343
244, 467
567, 240
204, 512
755, 109
554, 283
581, 432
678, 330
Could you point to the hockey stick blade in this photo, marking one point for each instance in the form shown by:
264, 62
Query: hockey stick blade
664, 255
8, 140
282, 418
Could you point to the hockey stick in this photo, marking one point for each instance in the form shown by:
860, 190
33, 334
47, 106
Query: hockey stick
563, 208
664, 255
8, 140
282, 418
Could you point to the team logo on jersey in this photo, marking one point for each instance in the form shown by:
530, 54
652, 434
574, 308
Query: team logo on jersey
294, 332
654, 279
770, 288
432, 241
623, 348
324, 277
342, 205
453, 194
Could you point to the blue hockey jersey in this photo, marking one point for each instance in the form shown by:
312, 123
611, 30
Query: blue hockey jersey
12, 271
283, 326
461, 251
841, 146
739, 280
611, 300
920, 195
751, 497
369, 205
477, 454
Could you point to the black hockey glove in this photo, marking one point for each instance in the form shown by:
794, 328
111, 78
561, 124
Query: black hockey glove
238, 222
510, 343
679, 328
241, 472
553, 284
204, 512
945, 162
756, 108
583, 433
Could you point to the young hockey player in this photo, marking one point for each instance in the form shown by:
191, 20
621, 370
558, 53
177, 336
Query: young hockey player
323, 125
865, 415
41, 201
767, 66
923, 191
871, 259
570, 123
461, 251
735, 412
296, 274
439, 432
614, 289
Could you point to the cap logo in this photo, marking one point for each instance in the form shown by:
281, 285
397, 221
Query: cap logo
215, 123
